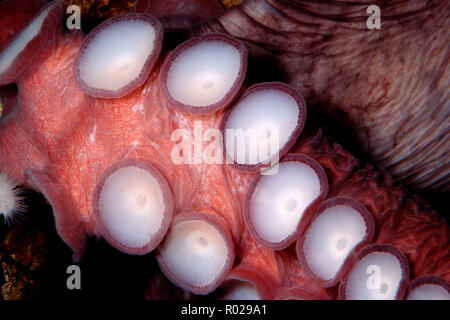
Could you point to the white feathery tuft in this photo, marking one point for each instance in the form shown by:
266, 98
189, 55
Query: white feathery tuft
11, 202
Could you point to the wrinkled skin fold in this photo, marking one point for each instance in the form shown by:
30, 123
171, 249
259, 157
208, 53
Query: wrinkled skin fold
59, 140
387, 88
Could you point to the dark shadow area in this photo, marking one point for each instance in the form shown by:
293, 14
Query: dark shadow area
107, 273
8, 99
439, 202
263, 69
32, 255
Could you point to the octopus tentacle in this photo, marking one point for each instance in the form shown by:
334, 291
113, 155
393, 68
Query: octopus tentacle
385, 88
83, 153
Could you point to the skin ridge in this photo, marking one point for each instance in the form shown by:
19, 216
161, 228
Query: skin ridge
402, 220
389, 85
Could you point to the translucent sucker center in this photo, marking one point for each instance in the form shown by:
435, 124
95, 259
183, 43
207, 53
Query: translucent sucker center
141, 200
341, 244
208, 85
291, 205
203, 241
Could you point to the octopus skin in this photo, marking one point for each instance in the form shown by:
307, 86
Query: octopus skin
383, 92
59, 139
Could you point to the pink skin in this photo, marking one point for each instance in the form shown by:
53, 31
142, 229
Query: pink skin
59, 140
168, 201
297, 285
257, 266
33, 50
265, 283
298, 294
146, 69
349, 261
15, 19
308, 212
274, 274
388, 249
228, 98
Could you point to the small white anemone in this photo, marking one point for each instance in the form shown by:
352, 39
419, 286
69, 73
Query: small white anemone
11, 202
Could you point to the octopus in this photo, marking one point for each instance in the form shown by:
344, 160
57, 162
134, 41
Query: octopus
201, 138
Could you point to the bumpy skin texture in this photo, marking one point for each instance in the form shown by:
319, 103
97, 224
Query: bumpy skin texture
388, 87
402, 220
59, 140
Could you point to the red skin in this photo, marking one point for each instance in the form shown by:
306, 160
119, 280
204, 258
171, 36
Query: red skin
33, 50
402, 220
16, 19
59, 140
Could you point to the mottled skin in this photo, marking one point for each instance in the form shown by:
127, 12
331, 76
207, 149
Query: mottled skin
59, 140
385, 91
